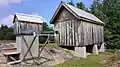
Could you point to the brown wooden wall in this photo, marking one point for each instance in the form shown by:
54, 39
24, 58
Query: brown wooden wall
25, 26
73, 32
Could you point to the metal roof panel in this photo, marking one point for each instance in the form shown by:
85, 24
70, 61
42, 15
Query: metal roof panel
30, 18
82, 13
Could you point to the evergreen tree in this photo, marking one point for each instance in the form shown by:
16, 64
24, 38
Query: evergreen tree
6, 33
95, 8
71, 3
80, 5
46, 27
109, 12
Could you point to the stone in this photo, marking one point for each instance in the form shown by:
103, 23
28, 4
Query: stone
81, 51
95, 50
102, 47
5, 65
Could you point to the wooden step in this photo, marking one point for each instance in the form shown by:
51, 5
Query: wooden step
9, 48
6, 50
14, 62
11, 53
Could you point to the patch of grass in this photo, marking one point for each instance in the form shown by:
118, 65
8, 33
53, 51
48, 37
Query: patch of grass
52, 45
90, 61
111, 58
7, 41
111, 50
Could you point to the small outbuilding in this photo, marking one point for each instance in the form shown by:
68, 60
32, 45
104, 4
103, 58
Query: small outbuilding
27, 24
78, 30
24, 27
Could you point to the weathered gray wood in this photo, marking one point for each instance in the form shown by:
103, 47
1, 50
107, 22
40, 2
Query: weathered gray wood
24, 26
74, 32
65, 40
22, 48
14, 62
67, 33
70, 33
79, 33
60, 33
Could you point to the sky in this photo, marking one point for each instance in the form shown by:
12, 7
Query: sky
43, 8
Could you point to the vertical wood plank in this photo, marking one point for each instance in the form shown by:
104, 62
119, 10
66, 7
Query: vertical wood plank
79, 33
73, 32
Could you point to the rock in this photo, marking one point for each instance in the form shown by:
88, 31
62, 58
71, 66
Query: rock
76, 54
14, 44
8, 46
59, 55
103, 61
89, 54
5, 65
117, 53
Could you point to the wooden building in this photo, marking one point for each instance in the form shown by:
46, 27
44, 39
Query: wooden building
27, 24
24, 27
76, 28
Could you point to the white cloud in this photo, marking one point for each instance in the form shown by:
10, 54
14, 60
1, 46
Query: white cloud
7, 20
8, 2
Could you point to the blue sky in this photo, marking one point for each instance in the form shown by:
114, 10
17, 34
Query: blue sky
44, 8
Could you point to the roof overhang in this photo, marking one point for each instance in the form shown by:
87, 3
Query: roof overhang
27, 18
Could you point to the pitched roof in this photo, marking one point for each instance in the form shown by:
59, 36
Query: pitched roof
78, 13
28, 18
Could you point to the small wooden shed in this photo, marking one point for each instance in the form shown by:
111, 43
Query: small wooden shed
27, 24
24, 27
76, 28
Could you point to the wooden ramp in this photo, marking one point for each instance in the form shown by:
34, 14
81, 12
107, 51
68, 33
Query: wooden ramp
12, 55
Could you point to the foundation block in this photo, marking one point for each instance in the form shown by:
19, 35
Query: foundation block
102, 47
95, 50
81, 51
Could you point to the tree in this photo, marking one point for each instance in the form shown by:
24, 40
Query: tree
6, 33
109, 12
95, 8
71, 3
46, 27
80, 5
111, 15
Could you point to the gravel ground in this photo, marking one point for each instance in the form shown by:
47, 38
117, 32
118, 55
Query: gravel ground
109, 60
49, 57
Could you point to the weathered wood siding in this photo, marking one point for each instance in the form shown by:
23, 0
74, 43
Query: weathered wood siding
92, 33
73, 32
22, 48
26, 26
61, 26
